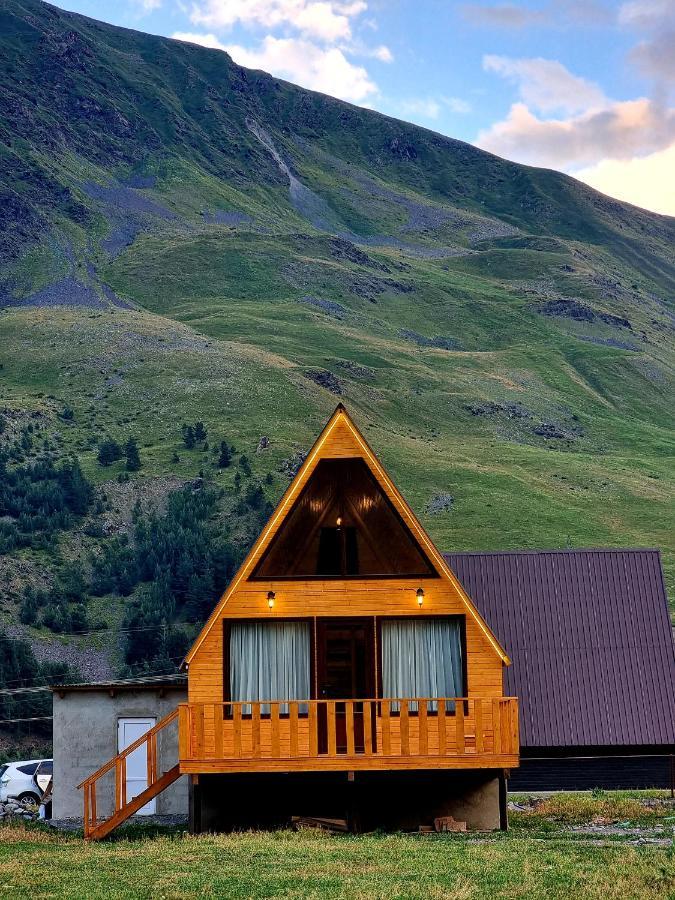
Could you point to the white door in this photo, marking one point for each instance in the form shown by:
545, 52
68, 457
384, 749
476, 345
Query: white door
128, 731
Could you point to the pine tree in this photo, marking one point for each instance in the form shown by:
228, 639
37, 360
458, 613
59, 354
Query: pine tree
200, 431
132, 455
109, 452
245, 465
225, 457
189, 438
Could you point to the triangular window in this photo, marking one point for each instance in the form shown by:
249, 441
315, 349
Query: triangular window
343, 526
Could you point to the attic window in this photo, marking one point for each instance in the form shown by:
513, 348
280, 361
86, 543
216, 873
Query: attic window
343, 525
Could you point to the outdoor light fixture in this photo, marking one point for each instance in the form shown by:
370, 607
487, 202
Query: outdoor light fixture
420, 596
339, 521
270, 599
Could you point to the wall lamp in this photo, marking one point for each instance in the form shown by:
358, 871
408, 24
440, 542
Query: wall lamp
271, 597
420, 596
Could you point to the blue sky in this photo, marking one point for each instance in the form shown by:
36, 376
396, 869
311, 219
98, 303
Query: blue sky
584, 86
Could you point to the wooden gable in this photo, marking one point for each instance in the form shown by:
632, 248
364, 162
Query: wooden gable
371, 595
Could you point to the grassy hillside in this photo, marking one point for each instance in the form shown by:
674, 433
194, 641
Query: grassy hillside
183, 239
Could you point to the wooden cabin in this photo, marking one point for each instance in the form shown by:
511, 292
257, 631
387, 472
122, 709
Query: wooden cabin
345, 673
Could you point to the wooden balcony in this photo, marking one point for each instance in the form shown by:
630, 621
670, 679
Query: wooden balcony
330, 735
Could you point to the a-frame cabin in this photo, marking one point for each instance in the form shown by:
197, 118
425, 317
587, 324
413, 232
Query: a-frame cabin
345, 673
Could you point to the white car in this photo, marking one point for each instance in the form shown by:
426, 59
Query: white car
25, 781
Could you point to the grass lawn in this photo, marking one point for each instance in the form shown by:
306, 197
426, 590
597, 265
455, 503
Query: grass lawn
542, 856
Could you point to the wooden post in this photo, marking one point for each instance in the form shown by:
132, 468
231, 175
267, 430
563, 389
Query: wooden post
405, 732
293, 725
274, 723
442, 740
332, 736
478, 719
236, 728
218, 730
386, 727
459, 727
422, 720
349, 726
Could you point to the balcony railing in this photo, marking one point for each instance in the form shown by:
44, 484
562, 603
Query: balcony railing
305, 735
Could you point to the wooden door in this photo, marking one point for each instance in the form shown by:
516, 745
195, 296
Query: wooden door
345, 671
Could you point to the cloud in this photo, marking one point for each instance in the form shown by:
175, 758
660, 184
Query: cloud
430, 107
204, 40
546, 85
148, 5
505, 15
620, 131
655, 53
325, 20
556, 14
324, 69
646, 182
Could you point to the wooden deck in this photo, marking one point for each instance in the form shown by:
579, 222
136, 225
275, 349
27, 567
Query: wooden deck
330, 735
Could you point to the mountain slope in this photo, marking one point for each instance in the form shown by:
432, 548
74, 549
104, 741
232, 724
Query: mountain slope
183, 239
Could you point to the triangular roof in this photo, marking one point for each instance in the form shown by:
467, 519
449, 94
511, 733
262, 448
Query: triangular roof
341, 438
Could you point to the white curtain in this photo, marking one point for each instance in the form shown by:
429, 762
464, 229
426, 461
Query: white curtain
422, 658
270, 661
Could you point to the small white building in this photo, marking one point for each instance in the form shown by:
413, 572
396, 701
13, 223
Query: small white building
94, 722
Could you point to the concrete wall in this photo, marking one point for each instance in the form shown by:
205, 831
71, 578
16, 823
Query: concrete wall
85, 737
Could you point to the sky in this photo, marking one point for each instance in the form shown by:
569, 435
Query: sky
583, 86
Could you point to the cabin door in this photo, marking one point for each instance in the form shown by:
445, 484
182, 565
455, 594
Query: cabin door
345, 671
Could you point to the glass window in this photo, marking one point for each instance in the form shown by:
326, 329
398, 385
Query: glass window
270, 661
28, 769
422, 658
46, 767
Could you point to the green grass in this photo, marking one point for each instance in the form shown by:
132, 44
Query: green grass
34, 863
222, 334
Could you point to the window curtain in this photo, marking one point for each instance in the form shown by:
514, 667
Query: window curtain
422, 658
270, 661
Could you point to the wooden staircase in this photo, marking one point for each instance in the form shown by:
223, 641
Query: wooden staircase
96, 828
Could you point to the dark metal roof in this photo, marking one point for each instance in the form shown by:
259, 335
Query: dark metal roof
590, 639
152, 683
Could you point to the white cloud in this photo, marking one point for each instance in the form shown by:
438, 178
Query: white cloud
646, 13
622, 130
646, 182
204, 40
383, 53
546, 85
425, 107
326, 20
457, 105
324, 69
504, 15
148, 5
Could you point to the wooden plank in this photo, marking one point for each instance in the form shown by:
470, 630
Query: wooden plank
255, 723
118, 783
293, 726
274, 721
459, 727
405, 729
349, 725
515, 746
198, 718
441, 719
313, 730
423, 727
184, 743
385, 706
218, 729
236, 728
496, 726
478, 719
332, 736
94, 815
367, 728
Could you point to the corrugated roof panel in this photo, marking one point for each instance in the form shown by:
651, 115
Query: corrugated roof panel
590, 639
